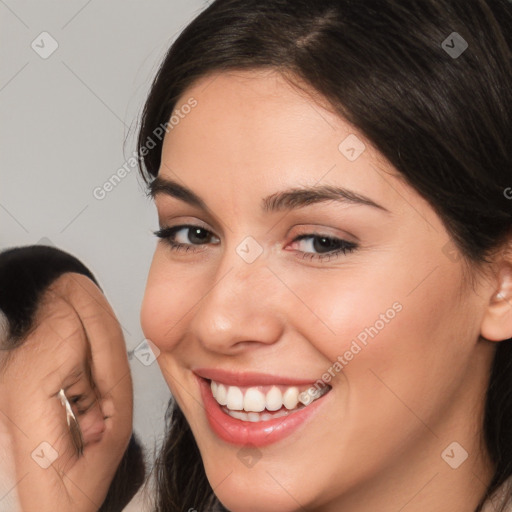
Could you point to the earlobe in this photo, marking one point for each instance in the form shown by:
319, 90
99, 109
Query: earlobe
497, 321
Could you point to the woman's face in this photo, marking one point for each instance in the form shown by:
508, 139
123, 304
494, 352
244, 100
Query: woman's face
76, 346
304, 258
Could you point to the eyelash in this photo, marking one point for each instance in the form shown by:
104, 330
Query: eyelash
77, 401
166, 235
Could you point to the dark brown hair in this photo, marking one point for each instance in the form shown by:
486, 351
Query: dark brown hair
442, 120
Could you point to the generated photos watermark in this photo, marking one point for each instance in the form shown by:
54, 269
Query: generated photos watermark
360, 342
100, 192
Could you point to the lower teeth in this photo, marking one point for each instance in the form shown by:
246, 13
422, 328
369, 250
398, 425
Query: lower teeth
258, 416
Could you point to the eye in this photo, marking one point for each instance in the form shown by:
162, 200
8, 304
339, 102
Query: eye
185, 236
82, 403
321, 246
78, 404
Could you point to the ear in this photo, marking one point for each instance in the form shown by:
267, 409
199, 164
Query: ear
497, 321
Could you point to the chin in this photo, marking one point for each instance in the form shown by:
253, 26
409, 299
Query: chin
242, 499
253, 489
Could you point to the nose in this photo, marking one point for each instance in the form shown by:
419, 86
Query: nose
92, 424
242, 310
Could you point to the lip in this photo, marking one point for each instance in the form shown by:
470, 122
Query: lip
248, 378
262, 433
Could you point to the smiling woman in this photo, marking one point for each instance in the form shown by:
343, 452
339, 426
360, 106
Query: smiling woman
344, 159
65, 390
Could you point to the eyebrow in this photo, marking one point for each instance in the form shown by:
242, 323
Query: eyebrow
290, 199
76, 374
171, 188
73, 377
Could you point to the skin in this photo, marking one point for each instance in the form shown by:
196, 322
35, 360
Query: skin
418, 386
77, 345
8, 492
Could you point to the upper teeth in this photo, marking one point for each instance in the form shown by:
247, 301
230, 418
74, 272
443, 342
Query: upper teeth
254, 399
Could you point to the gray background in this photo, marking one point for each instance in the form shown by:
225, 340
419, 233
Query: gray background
68, 123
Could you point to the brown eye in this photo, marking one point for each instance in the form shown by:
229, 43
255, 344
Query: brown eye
320, 246
187, 235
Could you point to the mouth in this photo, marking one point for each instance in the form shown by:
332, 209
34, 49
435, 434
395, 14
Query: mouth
259, 413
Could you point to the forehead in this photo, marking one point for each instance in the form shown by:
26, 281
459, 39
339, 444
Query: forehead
57, 325
252, 132
57, 342
74, 326
247, 88
65, 310
257, 109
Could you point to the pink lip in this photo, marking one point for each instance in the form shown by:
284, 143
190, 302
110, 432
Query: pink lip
262, 433
248, 379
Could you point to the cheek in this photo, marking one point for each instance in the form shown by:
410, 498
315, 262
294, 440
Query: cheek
421, 358
154, 311
7, 468
365, 322
168, 297
345, 309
